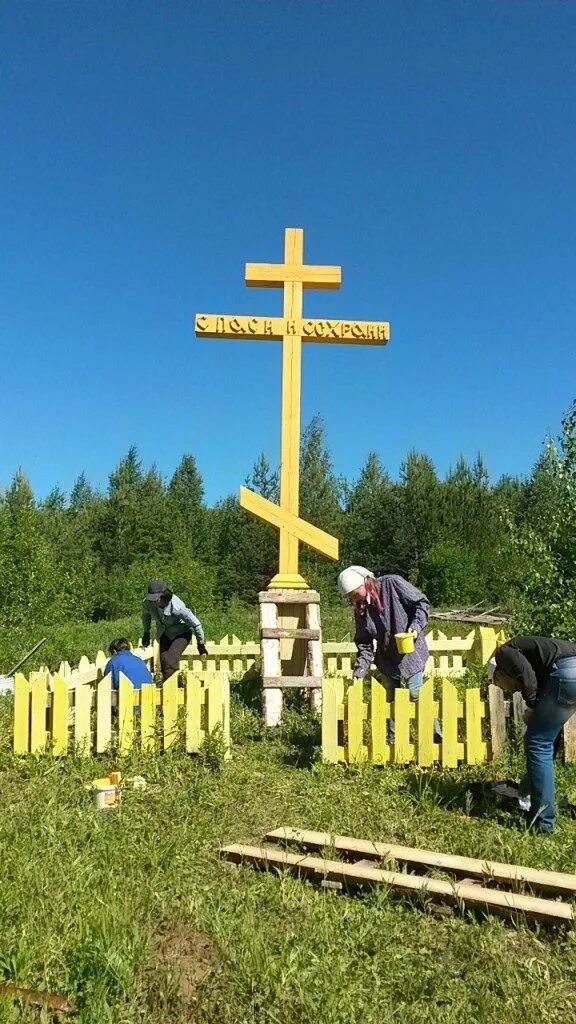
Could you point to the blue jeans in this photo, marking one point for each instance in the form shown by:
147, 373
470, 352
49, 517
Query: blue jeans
414, 684
550, 715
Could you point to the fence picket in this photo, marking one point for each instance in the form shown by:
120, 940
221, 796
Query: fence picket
103, 715
356, 713
59, 716
148, 716
38, 691
427, 711
82, 705
330, 707
379, 715
404, 712
170, 710
21, 714
476, 750
451, 712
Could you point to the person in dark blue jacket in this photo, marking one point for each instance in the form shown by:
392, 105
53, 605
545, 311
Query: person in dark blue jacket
131, 665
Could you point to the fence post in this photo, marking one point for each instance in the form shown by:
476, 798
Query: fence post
484, 645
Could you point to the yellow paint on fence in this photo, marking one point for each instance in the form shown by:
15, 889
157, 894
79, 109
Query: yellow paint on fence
59, 716
170, 711
451, 712
148, 716
347, 710
355, 720
49, 713
21, 714
379, 715
38, 715
476, 749
125, 714
104, 714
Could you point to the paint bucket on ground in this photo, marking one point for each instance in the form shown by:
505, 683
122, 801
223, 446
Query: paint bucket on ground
404, 642
106, 792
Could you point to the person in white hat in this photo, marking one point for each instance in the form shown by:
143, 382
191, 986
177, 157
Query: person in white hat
383, 607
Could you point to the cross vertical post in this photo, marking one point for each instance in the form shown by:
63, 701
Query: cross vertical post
288, 574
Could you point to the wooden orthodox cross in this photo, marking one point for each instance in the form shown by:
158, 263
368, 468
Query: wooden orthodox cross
293, 276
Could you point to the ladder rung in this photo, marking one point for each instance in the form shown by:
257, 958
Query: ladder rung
283, 682
276, 633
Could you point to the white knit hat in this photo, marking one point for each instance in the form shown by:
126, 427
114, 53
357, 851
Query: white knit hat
352, 578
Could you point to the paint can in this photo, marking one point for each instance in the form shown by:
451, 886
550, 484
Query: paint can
106, 792
404, 642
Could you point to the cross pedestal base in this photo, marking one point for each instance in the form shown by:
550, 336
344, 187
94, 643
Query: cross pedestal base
291, 645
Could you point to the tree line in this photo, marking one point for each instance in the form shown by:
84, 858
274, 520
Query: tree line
87, 555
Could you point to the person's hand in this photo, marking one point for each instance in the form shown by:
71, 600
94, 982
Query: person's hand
145, 639
414, 632
202, 649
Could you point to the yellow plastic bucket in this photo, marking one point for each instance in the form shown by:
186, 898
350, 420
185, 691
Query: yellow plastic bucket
404, 642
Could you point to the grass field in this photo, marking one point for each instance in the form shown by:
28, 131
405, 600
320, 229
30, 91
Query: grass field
131, 914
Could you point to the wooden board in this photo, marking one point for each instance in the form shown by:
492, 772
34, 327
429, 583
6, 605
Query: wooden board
547, 881
473, 895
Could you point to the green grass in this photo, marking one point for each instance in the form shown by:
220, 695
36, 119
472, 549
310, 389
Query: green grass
132, 915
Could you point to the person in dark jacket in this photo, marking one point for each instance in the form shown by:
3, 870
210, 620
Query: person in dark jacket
544, 671
385, 606
174, 623
131, 665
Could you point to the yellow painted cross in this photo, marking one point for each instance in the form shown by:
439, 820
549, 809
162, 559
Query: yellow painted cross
293, 276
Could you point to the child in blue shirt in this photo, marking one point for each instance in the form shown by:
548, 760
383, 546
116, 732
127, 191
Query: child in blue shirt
131, 665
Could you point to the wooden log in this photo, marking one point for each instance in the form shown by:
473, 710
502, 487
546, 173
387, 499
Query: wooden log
548, 881
455, 892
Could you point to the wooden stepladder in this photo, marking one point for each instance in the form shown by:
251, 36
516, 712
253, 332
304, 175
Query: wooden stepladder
291, 640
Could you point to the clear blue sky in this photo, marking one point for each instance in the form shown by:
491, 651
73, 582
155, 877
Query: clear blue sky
151, 147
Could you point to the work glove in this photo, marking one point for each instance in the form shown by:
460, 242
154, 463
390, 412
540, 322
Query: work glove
145, 639
202, 649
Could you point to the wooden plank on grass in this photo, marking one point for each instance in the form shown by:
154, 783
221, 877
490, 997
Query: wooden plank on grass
458, 892
548, 881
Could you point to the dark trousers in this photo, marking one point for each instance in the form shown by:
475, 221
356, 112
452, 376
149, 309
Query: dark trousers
171, 651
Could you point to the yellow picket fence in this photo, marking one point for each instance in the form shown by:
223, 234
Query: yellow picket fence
355, 724
52, 716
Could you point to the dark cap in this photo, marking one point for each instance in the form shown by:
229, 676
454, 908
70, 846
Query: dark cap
155, 590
